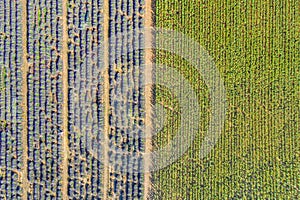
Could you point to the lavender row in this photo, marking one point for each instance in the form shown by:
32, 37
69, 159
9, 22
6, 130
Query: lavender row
11, 99
126, 99
45, 97
85, 29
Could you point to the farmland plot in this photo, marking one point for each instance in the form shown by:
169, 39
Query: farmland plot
255, 46
73, 108
56, 67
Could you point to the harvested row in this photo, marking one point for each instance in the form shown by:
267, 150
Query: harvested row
10, 100
45, 97
85, 127
127, 103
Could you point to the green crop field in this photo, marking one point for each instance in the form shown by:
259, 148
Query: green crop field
255, 46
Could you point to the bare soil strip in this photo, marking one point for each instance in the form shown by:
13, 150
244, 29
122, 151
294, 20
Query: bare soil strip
106, 97
25, 185
65, 100
148, 95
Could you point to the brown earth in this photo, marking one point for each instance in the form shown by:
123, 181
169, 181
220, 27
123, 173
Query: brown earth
25, 185
65, 101
148, 95
106, 97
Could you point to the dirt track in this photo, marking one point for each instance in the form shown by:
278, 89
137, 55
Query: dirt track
106, 97
148, 95
65, 101
24, 103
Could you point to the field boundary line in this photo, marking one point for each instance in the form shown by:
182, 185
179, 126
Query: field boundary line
25, 184
65, 99
148, 94
106, 97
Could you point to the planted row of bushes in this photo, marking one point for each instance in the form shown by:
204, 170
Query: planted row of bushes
10, 100
85, 60
127, 104
45, 98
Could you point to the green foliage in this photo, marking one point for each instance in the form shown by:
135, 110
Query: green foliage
255, 46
